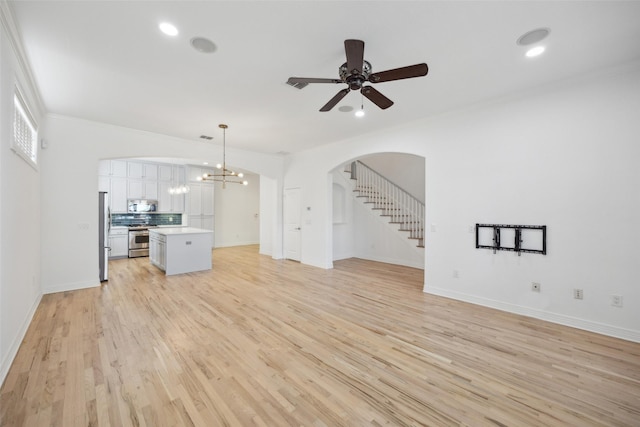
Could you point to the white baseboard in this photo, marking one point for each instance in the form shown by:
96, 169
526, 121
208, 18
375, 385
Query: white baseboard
15, 345
561, 319
231, 244
72, 286
389, 260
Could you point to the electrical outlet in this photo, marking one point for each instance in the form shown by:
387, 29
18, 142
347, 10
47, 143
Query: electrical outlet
535, 286
616, 300
578, 294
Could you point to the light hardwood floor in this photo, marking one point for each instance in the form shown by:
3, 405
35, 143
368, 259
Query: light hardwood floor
276, 343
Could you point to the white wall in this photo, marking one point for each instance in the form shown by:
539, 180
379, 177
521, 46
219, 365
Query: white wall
565, 156
20, 219
70, 185
342, 201
237, 213
270, 212
404, 170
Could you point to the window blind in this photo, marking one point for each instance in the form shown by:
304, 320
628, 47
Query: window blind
25, 139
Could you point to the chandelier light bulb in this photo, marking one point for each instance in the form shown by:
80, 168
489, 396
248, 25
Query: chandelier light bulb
219, 166
240, 175
245, 182
360, 113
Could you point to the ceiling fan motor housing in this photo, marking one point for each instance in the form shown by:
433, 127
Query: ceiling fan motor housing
352, 78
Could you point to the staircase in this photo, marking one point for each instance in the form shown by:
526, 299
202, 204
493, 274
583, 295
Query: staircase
392, 201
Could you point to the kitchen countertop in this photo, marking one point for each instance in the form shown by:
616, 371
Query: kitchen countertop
179, 231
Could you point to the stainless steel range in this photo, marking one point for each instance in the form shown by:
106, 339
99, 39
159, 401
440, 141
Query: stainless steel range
139, 240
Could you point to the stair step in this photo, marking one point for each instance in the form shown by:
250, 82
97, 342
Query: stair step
388, 207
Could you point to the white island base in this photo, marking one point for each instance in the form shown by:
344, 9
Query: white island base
181, 249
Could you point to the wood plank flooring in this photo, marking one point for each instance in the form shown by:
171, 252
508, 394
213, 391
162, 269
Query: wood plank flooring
258, 342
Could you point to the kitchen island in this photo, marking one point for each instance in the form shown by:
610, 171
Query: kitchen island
179, 250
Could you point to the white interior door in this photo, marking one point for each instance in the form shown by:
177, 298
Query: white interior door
292, 215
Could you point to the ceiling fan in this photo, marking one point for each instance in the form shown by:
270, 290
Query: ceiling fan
356, 71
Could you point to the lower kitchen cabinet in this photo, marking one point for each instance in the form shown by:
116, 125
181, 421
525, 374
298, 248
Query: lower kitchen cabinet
119, 243
157, 250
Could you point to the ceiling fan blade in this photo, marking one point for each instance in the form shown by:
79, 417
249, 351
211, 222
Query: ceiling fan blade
332, 103
417, 70
376, 97
302, 82
354, 50
297, 80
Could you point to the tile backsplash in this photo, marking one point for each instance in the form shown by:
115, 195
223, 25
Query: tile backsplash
127, 219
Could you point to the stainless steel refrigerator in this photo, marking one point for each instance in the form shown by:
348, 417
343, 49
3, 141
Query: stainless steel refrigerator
104, 224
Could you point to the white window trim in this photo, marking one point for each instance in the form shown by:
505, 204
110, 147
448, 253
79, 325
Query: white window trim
21, 107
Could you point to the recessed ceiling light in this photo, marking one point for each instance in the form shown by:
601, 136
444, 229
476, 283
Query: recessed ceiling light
534, 51
168, 29
203, 45
533, 36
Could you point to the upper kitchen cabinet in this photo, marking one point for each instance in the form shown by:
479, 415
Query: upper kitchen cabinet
141, 189
170, 177
166, 173
143, 180
145, 171
112, 168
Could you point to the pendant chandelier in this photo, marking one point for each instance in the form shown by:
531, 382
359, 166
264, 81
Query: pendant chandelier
225, 176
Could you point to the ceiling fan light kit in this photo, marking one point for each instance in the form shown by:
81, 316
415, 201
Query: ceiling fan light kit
356, 72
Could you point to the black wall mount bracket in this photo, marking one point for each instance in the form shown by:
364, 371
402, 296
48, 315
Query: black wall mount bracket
501, 242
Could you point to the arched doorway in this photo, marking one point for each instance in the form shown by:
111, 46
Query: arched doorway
364, 228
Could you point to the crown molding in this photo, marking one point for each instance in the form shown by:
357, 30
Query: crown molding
15, 40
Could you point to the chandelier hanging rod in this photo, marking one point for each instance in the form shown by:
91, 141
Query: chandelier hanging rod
226, 175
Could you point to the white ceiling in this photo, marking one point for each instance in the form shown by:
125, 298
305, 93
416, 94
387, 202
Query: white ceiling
107, 61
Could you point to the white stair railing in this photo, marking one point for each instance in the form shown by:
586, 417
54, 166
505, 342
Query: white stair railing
393, 202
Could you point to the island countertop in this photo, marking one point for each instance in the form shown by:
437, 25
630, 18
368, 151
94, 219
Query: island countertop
168, 231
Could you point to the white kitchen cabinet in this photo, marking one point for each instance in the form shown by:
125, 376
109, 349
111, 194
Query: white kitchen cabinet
201, 199
140, 189
146, 171
112, 178
168, 202
165, 173
165, 199
119, 243
157, 250
112, 168
200, 212
118, 194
